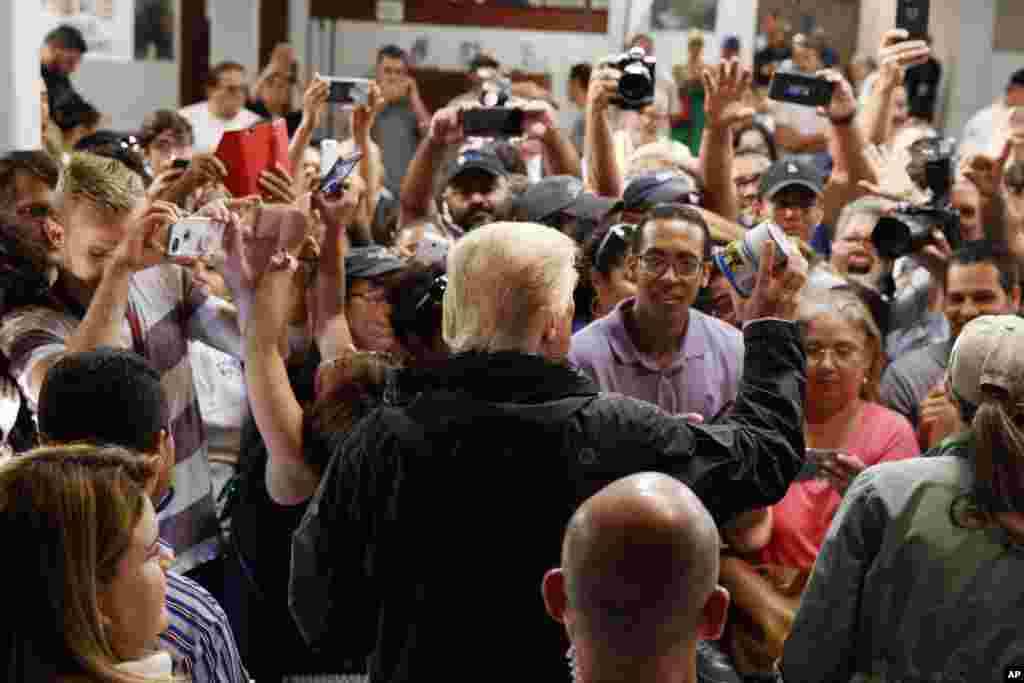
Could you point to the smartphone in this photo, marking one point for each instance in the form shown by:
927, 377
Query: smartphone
332, 183
194, 237
493, 122
180, 163
348, 92
912, 16
802, 90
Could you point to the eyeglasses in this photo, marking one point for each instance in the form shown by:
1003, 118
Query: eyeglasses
620, 233
844, 355
656, 264
374, 296
434, 295
801, 203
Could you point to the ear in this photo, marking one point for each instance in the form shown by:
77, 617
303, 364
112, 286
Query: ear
556, 600
713, 616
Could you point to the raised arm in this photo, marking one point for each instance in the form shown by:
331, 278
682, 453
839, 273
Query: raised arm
540, 122
723, 107
895, 54
313, 102
332, 333
371, 166
604, 175
418, 184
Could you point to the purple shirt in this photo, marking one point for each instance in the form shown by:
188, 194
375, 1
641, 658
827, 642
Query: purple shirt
703, 377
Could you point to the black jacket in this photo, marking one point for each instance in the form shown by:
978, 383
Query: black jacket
434, 524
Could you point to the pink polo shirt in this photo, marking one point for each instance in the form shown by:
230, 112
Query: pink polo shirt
803, 516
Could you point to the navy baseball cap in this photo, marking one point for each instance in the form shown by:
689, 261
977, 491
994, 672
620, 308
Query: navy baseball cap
731, 43
645, 191
476, 160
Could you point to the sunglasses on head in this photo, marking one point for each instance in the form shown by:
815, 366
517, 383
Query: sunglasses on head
619, 234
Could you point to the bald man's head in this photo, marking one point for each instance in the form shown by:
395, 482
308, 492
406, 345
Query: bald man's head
639, 567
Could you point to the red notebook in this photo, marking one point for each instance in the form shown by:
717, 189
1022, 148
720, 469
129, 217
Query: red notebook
246, 153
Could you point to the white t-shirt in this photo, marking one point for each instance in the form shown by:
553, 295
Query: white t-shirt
208, 129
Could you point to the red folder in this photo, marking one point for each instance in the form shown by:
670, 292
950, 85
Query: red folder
246, 153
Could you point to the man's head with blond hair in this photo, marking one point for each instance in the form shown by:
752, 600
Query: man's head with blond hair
510, 288
98, 199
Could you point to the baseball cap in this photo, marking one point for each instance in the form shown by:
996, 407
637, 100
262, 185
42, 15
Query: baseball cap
647, 190
562, 194
373, 261
987, 355
787, 173
476, 160
731, 43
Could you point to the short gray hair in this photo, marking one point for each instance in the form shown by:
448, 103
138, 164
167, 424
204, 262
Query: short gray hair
501, 277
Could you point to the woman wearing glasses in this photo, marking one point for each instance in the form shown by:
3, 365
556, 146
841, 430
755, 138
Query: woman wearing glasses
370, 315
846, 430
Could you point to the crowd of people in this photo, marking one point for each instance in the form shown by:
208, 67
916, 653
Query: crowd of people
504, 405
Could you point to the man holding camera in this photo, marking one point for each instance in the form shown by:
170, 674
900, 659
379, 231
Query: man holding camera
403, 118
469, 200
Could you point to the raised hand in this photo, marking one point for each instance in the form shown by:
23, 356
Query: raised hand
896, 53
776, 292
145, 244
844, 103
725, 87
604, 86
446, 125
986, 172
364, 116
894, 181
277, 185
314, 100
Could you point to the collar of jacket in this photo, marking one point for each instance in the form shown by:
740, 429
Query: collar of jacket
513, 377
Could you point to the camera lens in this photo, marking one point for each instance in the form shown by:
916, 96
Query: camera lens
635, 84
892, 238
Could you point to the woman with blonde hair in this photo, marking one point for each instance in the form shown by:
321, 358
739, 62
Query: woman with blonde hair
89, 568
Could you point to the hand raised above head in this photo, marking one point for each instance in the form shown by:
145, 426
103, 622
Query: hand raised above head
777, 289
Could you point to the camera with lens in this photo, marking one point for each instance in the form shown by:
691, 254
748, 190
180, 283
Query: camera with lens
494, 119
909, 228
636, 86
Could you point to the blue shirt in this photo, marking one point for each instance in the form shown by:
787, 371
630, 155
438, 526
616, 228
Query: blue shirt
702, 378
199, 638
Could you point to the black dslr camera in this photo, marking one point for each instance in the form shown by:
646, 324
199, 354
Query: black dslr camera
909, 228
494, 119
636, 86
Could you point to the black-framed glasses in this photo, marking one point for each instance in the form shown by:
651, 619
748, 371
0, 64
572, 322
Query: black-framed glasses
656, 264
435, 294
619, 234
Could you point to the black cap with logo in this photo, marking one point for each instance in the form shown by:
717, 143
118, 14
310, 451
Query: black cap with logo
789, 173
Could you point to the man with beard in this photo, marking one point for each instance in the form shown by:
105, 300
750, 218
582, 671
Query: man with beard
477, 186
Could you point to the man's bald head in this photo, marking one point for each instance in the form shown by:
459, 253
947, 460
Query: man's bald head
640, 562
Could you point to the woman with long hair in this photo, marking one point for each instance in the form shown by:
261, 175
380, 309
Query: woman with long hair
919, 575
85, 575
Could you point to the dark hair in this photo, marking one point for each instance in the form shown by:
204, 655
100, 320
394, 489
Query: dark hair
603, 250
1016, 80
984, 251
123, 148
484, 61
160, 120
392, 52
673, 211
128, 388
73, 110
23, 267
416, 303
769, 139
67, 37
213, 78
36, 162
1015, 176
581, 73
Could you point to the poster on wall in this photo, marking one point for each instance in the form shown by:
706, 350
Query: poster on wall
683, 15
106, 25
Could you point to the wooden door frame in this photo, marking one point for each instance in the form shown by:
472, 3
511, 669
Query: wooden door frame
192, 65
274, 15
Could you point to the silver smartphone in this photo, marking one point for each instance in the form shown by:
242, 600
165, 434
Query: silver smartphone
194, 238
348, 92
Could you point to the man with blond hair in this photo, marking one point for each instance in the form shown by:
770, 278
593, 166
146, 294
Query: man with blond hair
507, 438
115, 289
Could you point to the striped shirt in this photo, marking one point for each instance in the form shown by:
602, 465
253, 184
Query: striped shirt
165, 311
199, 637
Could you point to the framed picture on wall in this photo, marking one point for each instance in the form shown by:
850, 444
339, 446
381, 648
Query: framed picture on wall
683, 15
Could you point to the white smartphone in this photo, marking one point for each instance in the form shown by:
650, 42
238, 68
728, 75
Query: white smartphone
194, 237
348, 92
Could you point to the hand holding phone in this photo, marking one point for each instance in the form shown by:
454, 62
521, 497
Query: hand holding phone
805, 91
333, 183
194, 237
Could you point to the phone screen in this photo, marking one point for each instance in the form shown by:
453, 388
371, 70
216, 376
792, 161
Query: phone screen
339, 173
802, 90
348, 91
